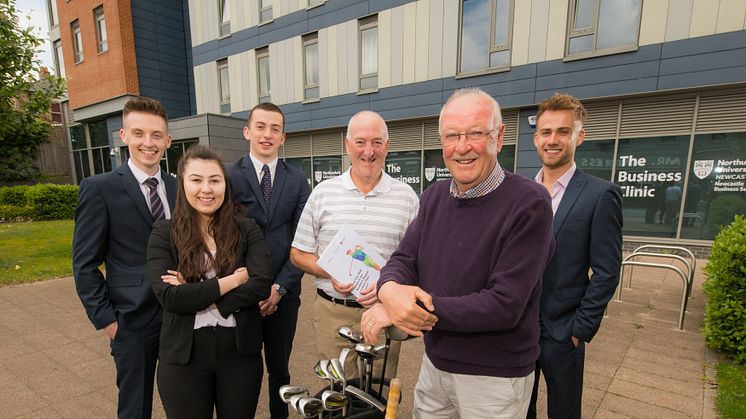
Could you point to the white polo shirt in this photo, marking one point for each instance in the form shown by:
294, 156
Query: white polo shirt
381, 217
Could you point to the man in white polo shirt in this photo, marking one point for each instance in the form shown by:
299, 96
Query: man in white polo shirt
373, 204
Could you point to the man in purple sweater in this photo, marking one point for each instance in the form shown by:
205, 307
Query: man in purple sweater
468, 272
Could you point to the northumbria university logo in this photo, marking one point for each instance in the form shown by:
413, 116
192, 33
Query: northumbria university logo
317, 175
703, 168
429, 173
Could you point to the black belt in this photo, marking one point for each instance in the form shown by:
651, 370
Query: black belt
340, 301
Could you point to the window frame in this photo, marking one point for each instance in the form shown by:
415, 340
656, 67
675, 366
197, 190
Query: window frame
367, 23
264, 11
224, 26
507, 46
263, 53
308, 40
99, 21
593, 30
77, 44
225, 106
59, 58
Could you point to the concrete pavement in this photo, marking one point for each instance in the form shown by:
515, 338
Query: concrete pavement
54, 365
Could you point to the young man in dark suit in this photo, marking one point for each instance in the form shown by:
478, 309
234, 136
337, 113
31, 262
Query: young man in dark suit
588, 235
274, 193
113, 221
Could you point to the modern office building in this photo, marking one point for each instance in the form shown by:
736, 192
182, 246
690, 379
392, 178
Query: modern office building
109, 51
664, 82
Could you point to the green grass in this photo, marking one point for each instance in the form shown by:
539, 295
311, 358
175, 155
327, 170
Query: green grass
35, 251
731, 399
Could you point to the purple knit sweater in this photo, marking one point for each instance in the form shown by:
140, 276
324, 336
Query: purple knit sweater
482, 261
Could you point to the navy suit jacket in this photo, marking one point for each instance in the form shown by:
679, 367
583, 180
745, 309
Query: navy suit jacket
290, 192
112, 227
588, 235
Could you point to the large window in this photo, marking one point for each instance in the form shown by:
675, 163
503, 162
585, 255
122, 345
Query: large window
434, 169
596, 158
311, 66
602, 27
485, 35
265, 11
650, 172
368, 53
90, 143
405, 166
262, 63
304, 164
225, 17
716, 186
224, 87
59, 61
100, 21
326, 167
77, 41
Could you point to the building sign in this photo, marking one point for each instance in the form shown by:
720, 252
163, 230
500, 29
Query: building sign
646, 181
405, 166
326, 167
729, 175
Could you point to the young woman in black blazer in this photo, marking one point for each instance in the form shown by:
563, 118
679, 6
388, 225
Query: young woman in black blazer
209, 267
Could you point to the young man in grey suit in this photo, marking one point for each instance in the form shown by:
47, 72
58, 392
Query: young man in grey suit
588, 233
273, 193
113, 220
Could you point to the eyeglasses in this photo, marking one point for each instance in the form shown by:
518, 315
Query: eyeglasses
472, 137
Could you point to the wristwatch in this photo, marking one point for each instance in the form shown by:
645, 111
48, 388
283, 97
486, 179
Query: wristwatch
280, 289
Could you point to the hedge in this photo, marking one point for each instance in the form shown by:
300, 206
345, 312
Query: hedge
725, 287
38, 202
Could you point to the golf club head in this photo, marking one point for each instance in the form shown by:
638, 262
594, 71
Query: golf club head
380, 349
310, 407
350, 334
365, 350
320, 370
294, 399
343, 354
367, 398
289, 390
394, 333
338, 371
333, 400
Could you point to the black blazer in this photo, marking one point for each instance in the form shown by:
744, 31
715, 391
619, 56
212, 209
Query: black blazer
112, 226
181, 303
290, 192
588, 234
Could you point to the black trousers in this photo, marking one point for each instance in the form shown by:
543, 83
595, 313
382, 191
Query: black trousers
135, 355
278, 333
216, 377
562, 366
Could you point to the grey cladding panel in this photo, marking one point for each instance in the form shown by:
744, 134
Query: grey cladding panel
704, 44
703, 78
704, 62
595, 76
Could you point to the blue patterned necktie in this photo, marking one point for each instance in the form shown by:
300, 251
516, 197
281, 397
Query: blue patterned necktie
156, 206
266, 184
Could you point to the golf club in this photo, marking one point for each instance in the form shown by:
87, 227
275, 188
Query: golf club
321, 372
367, 398
385, 362
310, 406
350, 334
293, 401
333, 401
338, 371
367, 353
290, 390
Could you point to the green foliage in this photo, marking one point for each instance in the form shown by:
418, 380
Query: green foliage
731, 399
25, 99
38, 202
725, 287
35, 251
722, 210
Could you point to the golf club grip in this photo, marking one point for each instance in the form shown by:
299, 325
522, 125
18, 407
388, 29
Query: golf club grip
393, 403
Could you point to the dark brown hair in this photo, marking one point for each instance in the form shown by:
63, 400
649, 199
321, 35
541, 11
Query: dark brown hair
268, 107
194, 258
145, 104
563, 102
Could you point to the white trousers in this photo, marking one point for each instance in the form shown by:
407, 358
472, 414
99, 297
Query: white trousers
440, 394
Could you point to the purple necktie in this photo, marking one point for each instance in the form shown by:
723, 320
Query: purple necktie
266, 184
156, 206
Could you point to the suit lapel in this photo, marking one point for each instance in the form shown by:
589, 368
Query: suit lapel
280, 175
129, 183
572, 193
250, 173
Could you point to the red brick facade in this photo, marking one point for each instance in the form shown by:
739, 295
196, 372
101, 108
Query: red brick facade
100, 76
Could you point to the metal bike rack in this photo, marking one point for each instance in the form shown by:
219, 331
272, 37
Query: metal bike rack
690, 277
693, 259
684, 280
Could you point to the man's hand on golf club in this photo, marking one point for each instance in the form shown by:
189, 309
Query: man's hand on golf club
401, 305
373, 321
